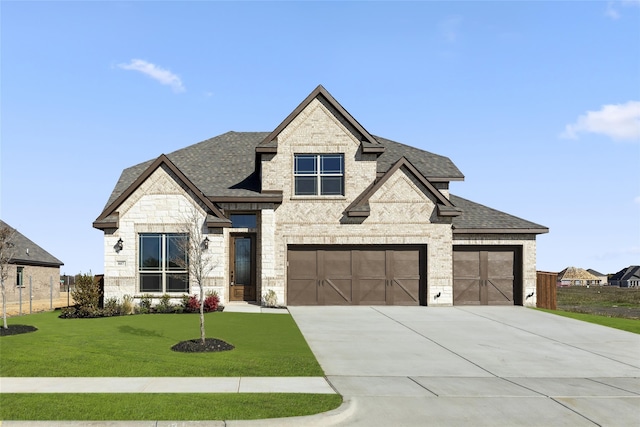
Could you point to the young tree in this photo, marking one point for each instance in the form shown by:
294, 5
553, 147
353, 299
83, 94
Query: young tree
198, 262
7, 250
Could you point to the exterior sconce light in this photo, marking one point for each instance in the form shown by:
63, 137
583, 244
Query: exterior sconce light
205, 243
530, 295
118, 246
435, 297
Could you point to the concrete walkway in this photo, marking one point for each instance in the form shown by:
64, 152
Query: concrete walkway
166, 385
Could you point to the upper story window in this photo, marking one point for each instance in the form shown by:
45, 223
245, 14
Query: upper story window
319, 174
164, 263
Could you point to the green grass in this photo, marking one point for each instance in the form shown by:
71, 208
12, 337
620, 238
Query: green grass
183, 407
140, 346
266, 345
629, 325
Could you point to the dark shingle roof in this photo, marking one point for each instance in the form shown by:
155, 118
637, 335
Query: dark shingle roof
432, 166
627, 273
479, 217
220, 166
224, 166
35, 256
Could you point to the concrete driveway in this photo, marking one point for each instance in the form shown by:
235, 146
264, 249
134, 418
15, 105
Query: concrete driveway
474, 366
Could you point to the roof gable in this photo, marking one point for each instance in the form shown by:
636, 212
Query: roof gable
25, 251
109, 217
368, 142
360, 206
575, 273
631, 272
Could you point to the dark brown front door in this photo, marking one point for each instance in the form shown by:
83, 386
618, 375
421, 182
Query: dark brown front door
242, 271
484, 277
356, 275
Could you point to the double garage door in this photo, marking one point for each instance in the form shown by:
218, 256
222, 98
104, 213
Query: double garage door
356, 275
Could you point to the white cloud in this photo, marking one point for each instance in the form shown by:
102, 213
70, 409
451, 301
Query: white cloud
611, 12
618, 121
612, 7
161, 75
450, 28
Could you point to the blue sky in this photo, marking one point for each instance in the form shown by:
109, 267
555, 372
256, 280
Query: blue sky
537, 103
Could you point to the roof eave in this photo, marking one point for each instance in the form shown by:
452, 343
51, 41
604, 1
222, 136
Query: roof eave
500, 230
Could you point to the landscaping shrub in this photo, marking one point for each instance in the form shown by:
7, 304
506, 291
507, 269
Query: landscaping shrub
211, 302
270, 299
111, 307
127, 305
192, 304
165, 306
145, 303
86, 296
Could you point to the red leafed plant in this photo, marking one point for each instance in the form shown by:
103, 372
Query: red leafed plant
211, 302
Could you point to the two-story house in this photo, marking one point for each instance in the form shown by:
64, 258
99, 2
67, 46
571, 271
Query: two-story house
321, 212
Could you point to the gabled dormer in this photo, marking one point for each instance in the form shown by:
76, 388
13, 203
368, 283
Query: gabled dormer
369, 144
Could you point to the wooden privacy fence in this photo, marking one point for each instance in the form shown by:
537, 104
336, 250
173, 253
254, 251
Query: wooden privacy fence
546, 290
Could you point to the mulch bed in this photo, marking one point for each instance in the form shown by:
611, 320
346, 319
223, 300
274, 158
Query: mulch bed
196, 346
16, 330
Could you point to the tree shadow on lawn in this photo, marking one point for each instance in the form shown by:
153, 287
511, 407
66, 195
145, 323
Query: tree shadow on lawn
189, 346
17, 329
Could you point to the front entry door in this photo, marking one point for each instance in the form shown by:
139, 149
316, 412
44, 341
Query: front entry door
242, 272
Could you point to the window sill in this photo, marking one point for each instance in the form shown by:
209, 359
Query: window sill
316, 198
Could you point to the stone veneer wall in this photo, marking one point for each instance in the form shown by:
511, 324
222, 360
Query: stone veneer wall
401, 213
528, 243
159, 205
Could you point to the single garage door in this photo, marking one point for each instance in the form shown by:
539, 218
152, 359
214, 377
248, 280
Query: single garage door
356, 275
486, 276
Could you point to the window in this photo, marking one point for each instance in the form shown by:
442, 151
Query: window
164, 263
19, 279
244, 221
319, 174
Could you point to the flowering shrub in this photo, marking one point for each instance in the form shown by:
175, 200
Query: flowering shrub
192, 304
211, 302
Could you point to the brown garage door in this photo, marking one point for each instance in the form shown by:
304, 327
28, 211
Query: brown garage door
486, 276
356, 275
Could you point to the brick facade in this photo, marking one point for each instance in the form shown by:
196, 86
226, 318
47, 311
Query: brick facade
38, 283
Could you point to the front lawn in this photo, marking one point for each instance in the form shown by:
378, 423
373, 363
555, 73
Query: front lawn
140, 346
176, 407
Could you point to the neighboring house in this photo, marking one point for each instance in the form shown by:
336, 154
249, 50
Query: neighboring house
321, 212
573, 276
601, 277
627, 277
33, 272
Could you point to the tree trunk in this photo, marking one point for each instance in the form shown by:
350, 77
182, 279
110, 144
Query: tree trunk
202, 314
4, 308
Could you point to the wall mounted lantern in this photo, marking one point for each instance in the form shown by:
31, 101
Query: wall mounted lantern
205, 243
118, 246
